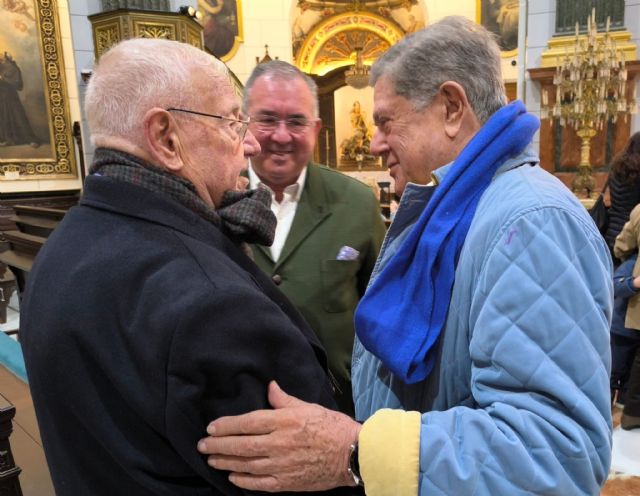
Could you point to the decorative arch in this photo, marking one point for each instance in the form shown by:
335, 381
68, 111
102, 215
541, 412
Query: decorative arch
345, 25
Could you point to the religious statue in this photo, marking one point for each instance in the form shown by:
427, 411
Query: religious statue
356, 149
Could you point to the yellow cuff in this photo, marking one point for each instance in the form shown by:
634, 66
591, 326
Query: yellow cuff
389, 453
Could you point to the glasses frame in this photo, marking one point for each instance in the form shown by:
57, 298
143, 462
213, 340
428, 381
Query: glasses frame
241, 133
260, 125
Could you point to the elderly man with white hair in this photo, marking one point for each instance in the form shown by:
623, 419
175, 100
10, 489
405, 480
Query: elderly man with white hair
143, 317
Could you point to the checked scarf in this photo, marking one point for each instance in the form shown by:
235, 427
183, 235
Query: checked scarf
245, 216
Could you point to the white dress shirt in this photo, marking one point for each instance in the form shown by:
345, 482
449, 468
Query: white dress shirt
284, 211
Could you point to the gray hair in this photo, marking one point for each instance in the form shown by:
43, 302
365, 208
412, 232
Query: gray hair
453, 49
139, 74
281, 70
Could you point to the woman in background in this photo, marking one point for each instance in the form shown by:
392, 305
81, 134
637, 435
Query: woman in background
624, 187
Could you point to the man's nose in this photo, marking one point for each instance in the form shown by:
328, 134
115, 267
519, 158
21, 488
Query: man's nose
281, 133
378, 144
250, 145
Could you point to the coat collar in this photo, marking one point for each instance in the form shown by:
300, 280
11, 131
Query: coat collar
134, 201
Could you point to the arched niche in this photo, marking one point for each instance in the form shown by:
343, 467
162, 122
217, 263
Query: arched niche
332, 42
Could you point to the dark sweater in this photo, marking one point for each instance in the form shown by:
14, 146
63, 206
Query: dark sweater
624, 197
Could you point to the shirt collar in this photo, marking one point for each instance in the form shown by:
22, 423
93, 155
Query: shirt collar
295, 189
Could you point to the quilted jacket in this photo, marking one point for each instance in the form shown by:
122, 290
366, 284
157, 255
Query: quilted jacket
518, 402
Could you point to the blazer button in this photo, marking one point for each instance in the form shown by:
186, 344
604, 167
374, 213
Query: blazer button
277, 279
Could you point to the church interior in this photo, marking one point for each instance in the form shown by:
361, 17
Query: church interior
56, 43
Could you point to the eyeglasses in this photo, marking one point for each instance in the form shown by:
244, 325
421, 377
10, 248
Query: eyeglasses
240, 127
269, 123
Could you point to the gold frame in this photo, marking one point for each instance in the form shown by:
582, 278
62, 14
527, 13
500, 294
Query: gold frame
62, 163
503, 53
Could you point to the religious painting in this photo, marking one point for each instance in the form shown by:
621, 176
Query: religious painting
501, 18
35, 128
222, 26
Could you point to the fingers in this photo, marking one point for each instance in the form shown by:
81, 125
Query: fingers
238, 446
279, 399
256, 422
257, 465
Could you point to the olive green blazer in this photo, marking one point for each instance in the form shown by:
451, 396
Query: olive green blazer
335, 210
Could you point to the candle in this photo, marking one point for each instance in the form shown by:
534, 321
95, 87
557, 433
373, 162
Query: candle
608, 22
545, 97
577, 29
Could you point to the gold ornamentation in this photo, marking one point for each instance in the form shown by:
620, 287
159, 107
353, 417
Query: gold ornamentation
113, 26
590, 90
155, 31
61, 164
320, 50
106, 37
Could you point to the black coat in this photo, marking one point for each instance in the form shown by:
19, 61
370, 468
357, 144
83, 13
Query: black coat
142, 322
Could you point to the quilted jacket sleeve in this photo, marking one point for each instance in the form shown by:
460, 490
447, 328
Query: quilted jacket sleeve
539, 330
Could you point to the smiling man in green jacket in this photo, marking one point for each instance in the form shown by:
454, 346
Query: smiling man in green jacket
329, 225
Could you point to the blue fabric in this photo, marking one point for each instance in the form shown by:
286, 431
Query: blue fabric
404, 310
623, 290
11, 356
518, 402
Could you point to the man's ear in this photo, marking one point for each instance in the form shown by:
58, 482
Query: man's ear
457, 107
162, 139
317, 126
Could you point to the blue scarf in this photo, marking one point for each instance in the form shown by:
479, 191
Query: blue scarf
404, 310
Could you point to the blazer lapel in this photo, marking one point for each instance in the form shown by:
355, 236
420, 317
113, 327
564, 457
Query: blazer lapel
266, 251
313, 208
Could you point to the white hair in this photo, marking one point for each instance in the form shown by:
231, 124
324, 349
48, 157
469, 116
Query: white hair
139, 74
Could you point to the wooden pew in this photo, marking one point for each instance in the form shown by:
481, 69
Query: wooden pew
9, 483
40, 221
17, 213
21, 245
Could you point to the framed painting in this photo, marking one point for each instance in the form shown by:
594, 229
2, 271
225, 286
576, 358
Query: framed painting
222, 27
501, 18
36, 139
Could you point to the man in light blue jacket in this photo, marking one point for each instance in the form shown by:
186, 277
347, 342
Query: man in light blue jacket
482, 359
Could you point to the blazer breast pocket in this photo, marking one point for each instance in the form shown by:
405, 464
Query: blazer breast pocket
339, 285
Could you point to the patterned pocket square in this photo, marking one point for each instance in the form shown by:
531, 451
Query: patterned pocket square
348, 253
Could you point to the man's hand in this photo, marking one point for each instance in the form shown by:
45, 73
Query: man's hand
298, 446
